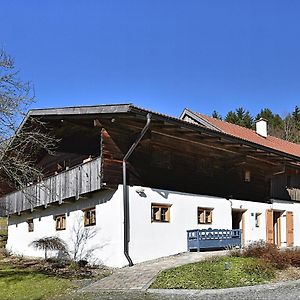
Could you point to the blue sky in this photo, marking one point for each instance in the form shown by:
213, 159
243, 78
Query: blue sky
163, 55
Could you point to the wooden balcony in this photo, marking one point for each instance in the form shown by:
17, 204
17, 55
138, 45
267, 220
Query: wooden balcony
79, 180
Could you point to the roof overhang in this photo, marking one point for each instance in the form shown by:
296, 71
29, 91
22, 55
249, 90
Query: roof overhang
162, 124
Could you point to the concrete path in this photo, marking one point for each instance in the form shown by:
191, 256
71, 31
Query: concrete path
140, 276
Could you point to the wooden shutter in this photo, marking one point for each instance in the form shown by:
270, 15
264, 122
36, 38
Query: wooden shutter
289, 229
269, 226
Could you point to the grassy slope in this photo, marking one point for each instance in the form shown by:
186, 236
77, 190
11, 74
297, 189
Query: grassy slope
16, 283
210, 274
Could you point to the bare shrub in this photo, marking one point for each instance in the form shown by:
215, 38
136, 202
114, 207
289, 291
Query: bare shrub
268, 252
80, 237
293, 256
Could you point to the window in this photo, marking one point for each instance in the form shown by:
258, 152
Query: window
257, 219
204, 215
30, 225
247, 176
160, 213
60, 222
90, 217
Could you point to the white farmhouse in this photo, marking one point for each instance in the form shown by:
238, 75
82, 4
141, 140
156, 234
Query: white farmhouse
134, 181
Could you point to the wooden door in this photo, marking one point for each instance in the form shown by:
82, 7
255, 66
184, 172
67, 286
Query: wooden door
269, 226
289, 229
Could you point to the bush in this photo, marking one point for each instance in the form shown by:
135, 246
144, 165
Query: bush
49, 244
293, 256
270, 253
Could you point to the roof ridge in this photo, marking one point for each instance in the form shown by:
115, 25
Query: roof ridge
223, 121
244, 128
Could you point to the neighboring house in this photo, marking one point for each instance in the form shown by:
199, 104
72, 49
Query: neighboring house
137, 180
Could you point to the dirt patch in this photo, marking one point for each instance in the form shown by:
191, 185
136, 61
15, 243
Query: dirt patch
291, 273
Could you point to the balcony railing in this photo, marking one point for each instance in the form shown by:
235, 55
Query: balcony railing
202, 239
72, 183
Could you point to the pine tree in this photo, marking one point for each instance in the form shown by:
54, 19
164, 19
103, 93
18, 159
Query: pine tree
240, 117
216, 115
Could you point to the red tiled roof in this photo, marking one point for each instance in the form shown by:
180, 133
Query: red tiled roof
251, 136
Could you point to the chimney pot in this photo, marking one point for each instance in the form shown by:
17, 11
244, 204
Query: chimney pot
262, 127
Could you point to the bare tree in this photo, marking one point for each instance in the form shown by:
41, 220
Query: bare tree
18, 147
290, 131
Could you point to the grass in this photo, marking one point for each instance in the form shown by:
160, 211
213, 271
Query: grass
211, 274
257, 263
17, 283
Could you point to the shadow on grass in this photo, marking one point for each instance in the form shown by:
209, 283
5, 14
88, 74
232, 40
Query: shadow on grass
13, 274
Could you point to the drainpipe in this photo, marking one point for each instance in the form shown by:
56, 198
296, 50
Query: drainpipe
125, 189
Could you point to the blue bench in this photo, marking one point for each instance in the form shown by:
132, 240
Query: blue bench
213, 239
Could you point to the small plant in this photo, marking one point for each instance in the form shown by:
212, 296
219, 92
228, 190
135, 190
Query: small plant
50, 244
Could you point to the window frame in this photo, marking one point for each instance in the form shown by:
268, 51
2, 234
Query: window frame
87, 220
30, 224
60, 217
257, 219
205, 211
167, 214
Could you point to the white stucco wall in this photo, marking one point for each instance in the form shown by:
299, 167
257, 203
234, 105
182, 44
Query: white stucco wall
107, 238
148, 240
152, 240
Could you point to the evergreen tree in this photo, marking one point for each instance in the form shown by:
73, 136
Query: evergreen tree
240, 117
275, 122
216, 115
296, 117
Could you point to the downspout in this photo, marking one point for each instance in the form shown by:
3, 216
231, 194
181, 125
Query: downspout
125, 189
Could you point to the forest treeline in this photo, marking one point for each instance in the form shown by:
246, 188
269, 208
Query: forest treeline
284, 127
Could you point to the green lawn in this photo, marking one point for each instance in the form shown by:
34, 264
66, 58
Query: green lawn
211, 274
18, 283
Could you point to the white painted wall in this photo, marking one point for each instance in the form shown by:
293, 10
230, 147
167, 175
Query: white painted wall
108, 229
147, 240
152, 240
